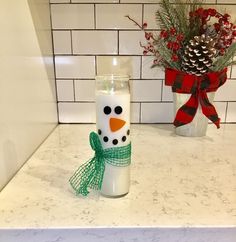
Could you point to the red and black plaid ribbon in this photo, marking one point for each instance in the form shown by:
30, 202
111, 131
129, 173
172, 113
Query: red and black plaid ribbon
198, 86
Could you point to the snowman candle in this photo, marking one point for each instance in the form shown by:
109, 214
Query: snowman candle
113, 128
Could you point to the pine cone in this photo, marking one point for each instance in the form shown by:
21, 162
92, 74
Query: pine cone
198, 55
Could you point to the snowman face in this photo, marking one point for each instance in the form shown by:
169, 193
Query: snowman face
113, 121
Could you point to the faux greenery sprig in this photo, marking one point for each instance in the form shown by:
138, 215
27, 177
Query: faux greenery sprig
180, 23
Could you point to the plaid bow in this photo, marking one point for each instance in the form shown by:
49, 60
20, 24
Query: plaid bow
198, 86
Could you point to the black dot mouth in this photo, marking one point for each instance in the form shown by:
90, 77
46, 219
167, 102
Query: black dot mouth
114, 141
123, 138
105, 139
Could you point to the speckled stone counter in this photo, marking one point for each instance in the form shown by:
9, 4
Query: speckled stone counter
182, 190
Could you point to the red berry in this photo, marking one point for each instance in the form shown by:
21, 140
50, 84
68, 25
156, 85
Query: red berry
234, 33
175, 46
172, 31
226, 23
164, 34
226, 16
180, 37
212, 12
200, 11
191, 14
169, 45
205, 14
144, 25
217, 27
174, 58
148, 35
221, 20
222, 51
145, 52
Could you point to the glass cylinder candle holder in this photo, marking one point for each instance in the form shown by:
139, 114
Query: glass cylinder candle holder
113, 128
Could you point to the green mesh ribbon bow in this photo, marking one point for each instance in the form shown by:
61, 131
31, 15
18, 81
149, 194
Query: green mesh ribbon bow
90, 174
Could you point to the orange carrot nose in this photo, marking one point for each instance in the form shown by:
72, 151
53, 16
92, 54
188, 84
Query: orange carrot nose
116, 124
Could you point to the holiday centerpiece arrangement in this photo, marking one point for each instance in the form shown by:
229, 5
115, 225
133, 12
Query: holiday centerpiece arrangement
195, 45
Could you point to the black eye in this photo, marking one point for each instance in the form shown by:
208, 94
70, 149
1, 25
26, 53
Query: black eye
105, 139
118, 110
107, 110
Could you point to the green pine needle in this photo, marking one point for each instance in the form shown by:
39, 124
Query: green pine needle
176, 16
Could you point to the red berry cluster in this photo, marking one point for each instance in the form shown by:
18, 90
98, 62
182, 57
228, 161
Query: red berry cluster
226, 31
173, 40
149, 47
203, 14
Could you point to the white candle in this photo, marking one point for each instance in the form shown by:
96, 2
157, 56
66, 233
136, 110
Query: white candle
113, 127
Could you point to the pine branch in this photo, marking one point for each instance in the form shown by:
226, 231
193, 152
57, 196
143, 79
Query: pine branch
166, 54
176, 16
165, 16
162, 20
225, 60
180, 12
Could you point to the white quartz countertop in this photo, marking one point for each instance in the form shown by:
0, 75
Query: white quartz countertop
179, 184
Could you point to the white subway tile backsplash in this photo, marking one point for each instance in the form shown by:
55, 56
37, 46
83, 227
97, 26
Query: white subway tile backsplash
167, 94
157, 112
72, 16
221, 110
139, 1
112, 16
95, 1
59, 1
75, 66
233, 73
229, 70
62, 42
135, 112
129, 65
231, 112
151, 73
226, 1
149, 15
65, 90
129, 42
95, 42
146, 90
76, 112
227, 92
84, 90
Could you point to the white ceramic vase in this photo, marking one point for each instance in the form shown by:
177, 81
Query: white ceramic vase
198, 126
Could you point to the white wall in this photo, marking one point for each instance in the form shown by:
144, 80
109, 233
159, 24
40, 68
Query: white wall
27, 91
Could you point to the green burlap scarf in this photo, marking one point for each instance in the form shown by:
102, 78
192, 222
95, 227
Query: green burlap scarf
90, 174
